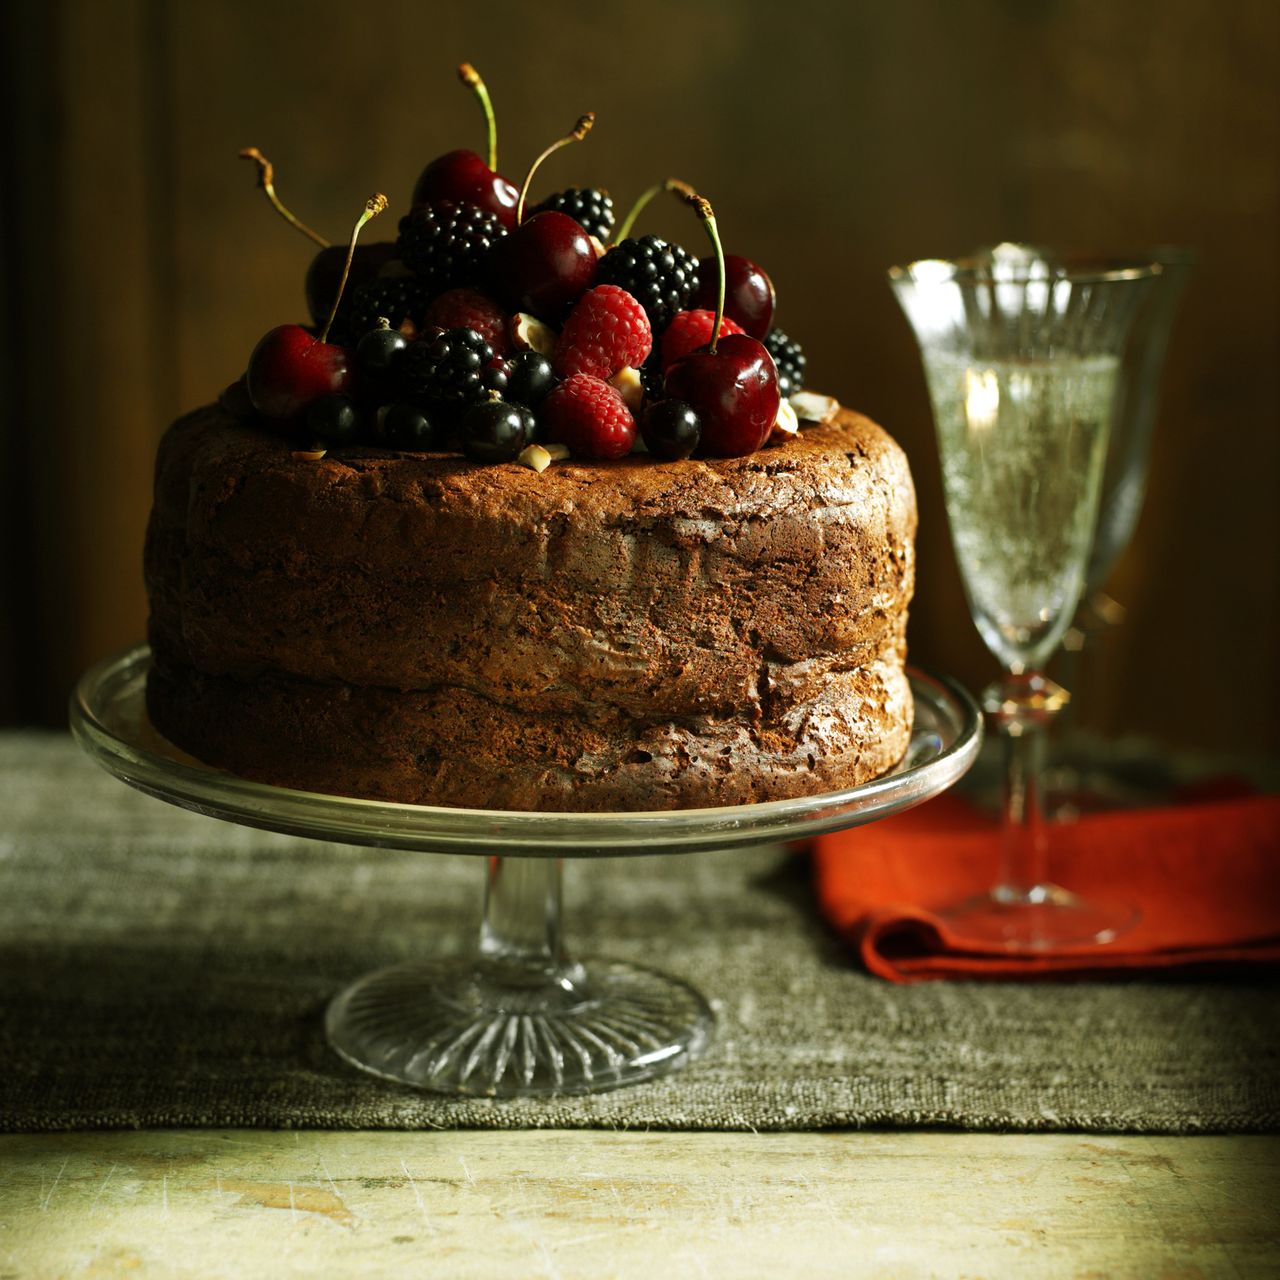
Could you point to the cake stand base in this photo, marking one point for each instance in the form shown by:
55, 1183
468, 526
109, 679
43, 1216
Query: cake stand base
518, 1016
487, 1029
1038, 919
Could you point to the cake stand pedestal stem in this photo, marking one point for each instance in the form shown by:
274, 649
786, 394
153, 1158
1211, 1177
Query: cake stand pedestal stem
522, 934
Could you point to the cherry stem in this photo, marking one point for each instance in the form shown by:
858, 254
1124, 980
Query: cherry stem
372, 207
702, 207
266, 180
580, 131
674, 185
471, 78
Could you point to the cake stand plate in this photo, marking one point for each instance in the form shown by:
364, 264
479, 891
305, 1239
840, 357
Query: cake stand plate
519, 1018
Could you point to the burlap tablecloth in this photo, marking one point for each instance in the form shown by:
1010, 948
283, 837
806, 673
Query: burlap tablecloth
162, 969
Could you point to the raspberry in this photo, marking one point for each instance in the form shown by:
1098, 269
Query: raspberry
606, 331
790, 359
470, 309
590, 417
689, 331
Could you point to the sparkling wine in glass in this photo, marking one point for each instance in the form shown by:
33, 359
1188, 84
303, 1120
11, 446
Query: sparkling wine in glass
1022, 360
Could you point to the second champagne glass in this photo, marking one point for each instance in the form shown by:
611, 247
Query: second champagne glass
1022, 364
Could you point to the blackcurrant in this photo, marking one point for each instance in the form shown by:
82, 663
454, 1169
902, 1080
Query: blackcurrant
334, 419
495, 431
670, 429
402, 426
379, 349
529, 378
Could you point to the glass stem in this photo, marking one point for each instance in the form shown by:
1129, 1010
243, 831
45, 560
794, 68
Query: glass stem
1024, 860
522, 930
1022, 706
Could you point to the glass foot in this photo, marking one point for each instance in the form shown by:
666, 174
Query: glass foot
1037, 919
483, 1028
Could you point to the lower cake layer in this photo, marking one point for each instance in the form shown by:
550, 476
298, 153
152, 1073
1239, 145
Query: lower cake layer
804, 735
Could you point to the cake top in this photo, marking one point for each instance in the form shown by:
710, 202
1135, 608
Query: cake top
498, 329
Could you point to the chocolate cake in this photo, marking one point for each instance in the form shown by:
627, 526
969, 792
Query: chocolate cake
620, 635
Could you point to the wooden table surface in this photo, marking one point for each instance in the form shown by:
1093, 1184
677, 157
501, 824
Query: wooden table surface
564, 1204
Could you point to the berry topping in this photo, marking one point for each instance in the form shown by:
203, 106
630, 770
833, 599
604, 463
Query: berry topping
446, 245
748, 298
660, 276
607, 330
395, 298
790, 359
734, 390
461, 176
379, 350
405, 426
446, 371
651, 380
494, 431
325, 271
334, 420
544, 266
689, 331
290, 370
670, 429
590, 417
592, 210
470, 309
530, 378
732, 385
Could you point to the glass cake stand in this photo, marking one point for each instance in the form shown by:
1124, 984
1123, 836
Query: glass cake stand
519, 1018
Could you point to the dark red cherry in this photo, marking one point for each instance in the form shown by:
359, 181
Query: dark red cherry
325, 272
290, 370
463, 178
544, 266
734, 392
748, 293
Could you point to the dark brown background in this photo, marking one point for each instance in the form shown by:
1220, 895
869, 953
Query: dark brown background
141, 266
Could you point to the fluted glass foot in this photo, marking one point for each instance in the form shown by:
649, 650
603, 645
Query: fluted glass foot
1042, 918
474, 1027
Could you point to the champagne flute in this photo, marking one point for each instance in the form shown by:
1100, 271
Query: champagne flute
1022, 357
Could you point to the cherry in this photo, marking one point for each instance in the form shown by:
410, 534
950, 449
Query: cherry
462, 177
749, 293
548, 261
326, 270
326, 267
732, 386
289, 369
544, 266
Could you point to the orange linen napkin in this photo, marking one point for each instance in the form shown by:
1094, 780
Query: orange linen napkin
1206, 877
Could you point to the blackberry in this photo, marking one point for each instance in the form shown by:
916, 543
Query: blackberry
446, 372
790, 359
652, 379
592, 210
660, 276
445, 245
396, 298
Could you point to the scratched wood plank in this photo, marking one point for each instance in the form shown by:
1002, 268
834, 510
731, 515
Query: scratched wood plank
591, 1204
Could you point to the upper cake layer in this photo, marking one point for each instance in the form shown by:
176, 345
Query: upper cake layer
603, 635
658, 589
